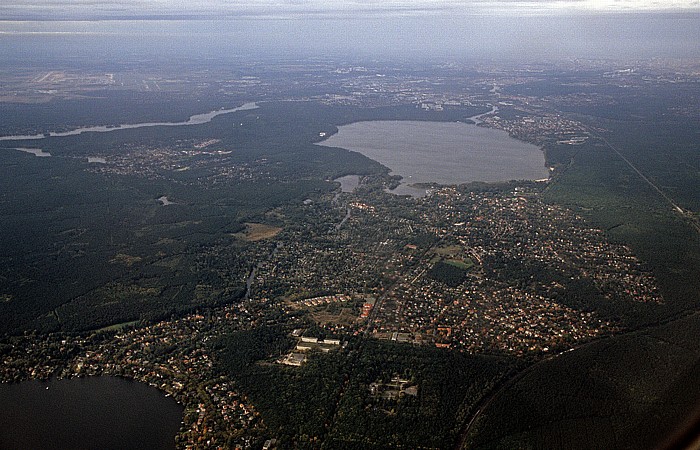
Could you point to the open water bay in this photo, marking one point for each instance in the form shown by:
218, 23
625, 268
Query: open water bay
442, 152
87, 413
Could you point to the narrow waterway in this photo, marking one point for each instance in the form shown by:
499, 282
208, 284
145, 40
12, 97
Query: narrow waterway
196, 119
477, 119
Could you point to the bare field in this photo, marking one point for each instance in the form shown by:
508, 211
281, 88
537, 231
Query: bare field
258, 231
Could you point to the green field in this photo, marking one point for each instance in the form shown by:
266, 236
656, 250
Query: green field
460, 264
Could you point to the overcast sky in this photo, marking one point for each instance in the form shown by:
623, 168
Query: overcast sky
201, 9
450, 28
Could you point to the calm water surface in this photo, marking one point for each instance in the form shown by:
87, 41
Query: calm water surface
34, 151
442, 152
87, 413
197, 119
348, 183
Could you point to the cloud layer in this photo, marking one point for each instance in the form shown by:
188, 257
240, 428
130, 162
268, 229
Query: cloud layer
514, 29
304, 9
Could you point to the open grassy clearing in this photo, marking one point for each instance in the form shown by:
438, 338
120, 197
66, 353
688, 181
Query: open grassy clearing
258, 231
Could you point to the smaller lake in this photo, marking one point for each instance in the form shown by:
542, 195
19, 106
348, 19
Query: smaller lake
34, 151
441, 152
165, 201
87, 413
348, 183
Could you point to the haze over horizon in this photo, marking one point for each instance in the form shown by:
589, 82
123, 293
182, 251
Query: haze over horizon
509, 29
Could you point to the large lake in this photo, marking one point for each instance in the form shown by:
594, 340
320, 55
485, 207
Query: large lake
442, 152
87, 413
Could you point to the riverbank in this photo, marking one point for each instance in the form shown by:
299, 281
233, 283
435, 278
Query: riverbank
196, 119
